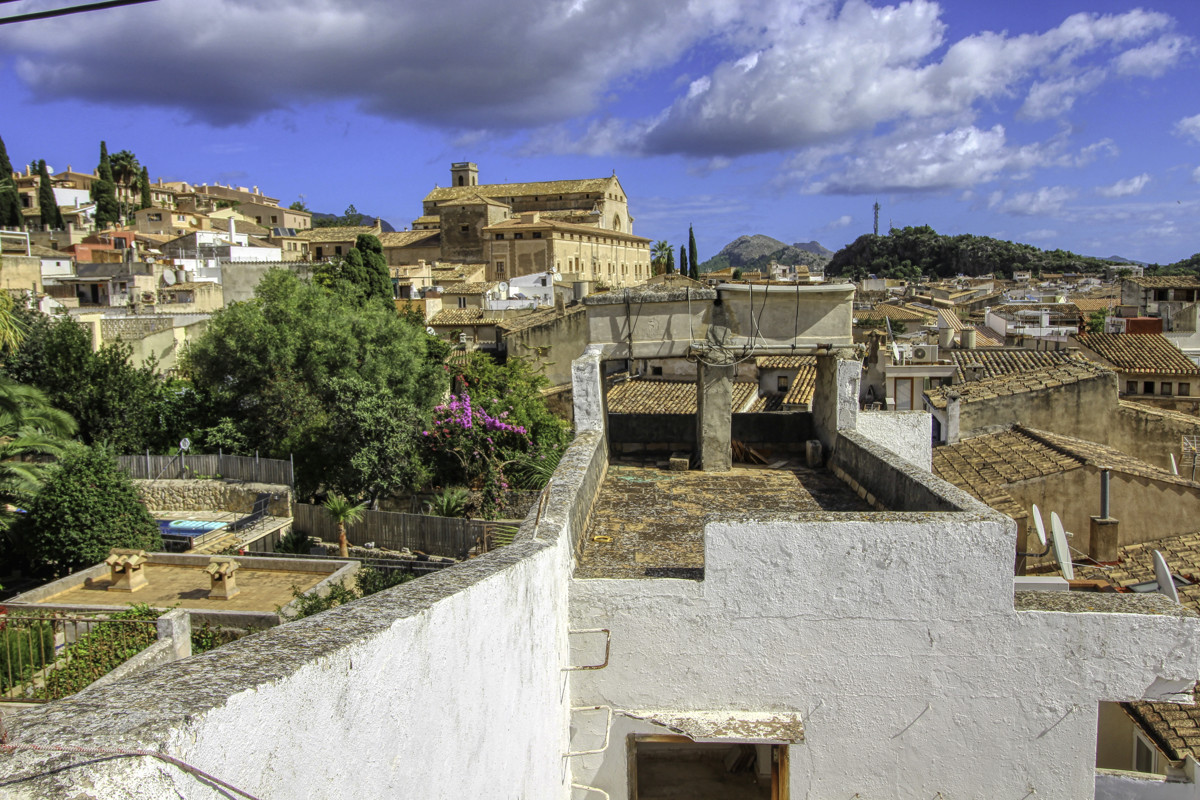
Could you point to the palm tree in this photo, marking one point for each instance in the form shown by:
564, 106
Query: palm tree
125, 167
659, 253
32, 432
343, 513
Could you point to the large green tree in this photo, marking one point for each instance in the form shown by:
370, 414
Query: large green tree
280, 371
10, 199
683, 262
113, 400
659, 254
364, 268
86, 506
104, 192
47, 206
144, 188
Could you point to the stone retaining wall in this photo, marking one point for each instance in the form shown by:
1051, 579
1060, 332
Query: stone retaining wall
202, 495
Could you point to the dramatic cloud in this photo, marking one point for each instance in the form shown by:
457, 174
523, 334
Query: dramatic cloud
1126, 188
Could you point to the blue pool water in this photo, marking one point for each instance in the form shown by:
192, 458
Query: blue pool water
187, 527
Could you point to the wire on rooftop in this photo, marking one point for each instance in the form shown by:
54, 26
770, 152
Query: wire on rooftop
62, 12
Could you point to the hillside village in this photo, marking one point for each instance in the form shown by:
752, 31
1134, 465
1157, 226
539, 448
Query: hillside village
653, 530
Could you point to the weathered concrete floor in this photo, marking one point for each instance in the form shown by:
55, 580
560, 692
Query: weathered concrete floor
655, 517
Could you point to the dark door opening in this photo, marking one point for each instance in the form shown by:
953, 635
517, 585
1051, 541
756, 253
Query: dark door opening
677, 768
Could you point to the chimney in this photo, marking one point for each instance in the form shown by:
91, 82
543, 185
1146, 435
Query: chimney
1105, 531
967, 337
953, 416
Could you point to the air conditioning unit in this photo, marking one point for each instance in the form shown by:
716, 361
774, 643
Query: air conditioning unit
925, 354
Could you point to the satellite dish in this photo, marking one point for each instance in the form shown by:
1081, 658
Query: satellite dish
185, 443
430, 331
1162, 574
1062, 553
1037, 522
168, 277
1174, 466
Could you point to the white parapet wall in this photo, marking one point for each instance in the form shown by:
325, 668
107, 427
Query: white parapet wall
908, 434
893, 636
451, 686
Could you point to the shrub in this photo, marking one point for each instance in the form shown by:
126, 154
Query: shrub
367, 581
87, 506
294, 541
107, 646
450, 503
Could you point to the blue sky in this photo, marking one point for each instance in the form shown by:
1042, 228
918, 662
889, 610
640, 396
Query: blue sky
1061, 124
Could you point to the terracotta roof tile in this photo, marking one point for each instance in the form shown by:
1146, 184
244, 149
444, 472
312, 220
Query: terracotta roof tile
668, 397
405, 238
339, 234
1005, 361
463, 316
541, 316
782, 362
471, 288
898, 313
1167, 282
1150, 353
805, 383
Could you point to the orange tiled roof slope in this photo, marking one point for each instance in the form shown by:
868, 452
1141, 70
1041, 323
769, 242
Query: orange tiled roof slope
668, 397
1167, 282
464, 316
1150, 353
1007, 360
1017, 382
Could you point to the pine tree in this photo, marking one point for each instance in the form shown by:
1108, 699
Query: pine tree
104, 193
692, 262
10, 200
47, 205
144, 180
683, 262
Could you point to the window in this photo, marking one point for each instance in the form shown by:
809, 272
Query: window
518, 236
499, 269
337, 250
465, 228
656, 370
782, 383
1130, 387
462, 302
1184, 390
1143, 755
537, 234
320, 252
274, 219
1165, 388
1147, 387
499, 235
258, 220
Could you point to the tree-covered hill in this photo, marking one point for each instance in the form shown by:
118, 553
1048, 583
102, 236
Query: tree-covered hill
753, 253
908, 253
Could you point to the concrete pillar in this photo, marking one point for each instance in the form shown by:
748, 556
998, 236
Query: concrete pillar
587, 389
176, 625
714, 415
1102, 546
835, 396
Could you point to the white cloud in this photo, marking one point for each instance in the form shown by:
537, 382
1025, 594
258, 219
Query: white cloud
1189, 128
1126, 188
1196, 175
1047, 201
1155, 58
1041, 235
924, 158
1055, 97
841, 222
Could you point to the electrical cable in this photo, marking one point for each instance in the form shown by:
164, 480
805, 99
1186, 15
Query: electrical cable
62, 12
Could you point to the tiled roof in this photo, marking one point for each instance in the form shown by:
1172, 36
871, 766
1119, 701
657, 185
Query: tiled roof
539, 317
404, 238
239, 226
470, 198
1088, 305
41, 251
767, 402
1017, 382
538, 188
985, 465
894, 312
986, 337
667, 397
802, 388
1150, 353
1005, 361
449, 317
1168, 282
1062, 311
455, 272
470, 288
340, 234
949, 318
543, 223
782, 362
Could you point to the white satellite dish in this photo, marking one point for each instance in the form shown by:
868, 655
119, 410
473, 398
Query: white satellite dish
1037, 522
1061, 551
430, 331
168, 277
1174, 466
1162, 574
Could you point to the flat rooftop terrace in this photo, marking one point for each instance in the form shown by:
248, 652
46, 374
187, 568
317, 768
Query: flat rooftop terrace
188, 586
655, 517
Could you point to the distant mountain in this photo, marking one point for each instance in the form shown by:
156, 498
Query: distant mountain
1123, 260
753, 253
321, 220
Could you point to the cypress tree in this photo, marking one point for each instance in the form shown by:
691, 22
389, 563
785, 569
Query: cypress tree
145, 186
683, 262
10, 200
47, 205
670, 261
695, 265
104, 193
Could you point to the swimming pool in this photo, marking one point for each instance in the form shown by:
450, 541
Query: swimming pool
188, 527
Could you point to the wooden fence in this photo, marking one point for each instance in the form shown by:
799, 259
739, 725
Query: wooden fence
238, 468
439, 536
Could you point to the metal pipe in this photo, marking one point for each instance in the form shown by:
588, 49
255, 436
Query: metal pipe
1105, 475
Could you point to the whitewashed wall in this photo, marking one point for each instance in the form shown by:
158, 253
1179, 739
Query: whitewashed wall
895, 638
908, 434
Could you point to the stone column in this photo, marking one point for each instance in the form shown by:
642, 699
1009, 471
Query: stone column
587, 388
714, 414
835, 396
953, 417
